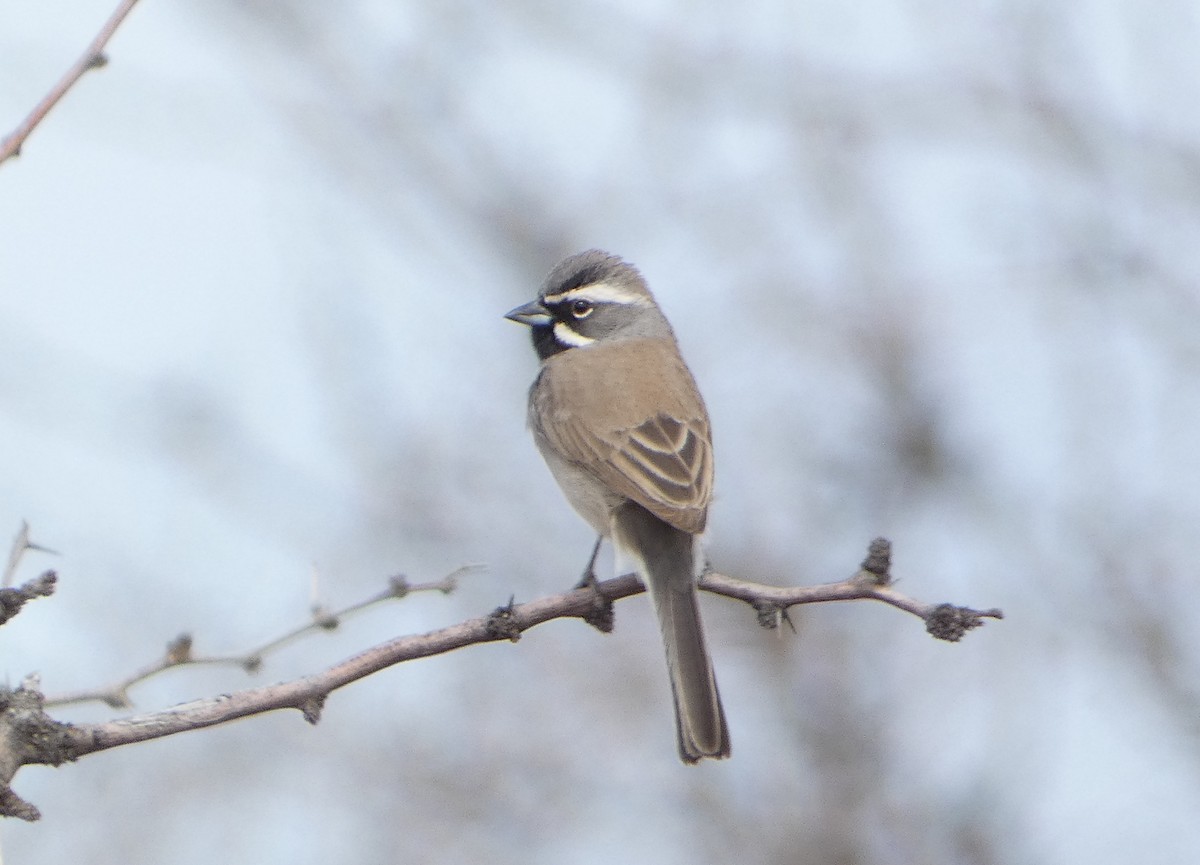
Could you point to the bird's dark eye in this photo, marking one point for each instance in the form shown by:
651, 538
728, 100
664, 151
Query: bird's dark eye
581, 308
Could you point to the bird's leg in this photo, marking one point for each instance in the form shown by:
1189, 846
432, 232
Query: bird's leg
600, 616
588, 580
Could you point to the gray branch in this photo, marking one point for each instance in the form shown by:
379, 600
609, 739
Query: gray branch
30, 737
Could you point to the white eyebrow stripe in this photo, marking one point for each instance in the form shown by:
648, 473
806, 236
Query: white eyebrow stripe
565, 335
600, 292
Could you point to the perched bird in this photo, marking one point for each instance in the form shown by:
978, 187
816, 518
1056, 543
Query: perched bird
617, 416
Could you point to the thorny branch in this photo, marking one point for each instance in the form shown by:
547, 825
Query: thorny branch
20, 546
92, 58
12, 599
28, 736
179, 651
873, 581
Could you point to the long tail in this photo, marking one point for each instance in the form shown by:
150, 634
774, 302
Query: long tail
664, 558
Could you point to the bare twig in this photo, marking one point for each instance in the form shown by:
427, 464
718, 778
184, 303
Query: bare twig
20, 546
326, 620
28, 736
872, 582
179, 651
92, 58
13, 599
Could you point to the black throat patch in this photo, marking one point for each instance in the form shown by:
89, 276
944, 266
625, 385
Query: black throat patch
544, 341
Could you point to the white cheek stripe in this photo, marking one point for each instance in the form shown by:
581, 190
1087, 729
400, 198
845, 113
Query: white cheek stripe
600, 292
566, 336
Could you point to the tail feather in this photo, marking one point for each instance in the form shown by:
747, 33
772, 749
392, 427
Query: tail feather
665, 559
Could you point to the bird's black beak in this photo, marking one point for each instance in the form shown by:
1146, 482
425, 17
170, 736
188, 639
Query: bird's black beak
532, 314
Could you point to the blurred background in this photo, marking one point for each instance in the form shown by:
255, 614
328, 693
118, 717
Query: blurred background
934, 265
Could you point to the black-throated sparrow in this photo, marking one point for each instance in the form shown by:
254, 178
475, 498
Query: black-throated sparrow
621, 424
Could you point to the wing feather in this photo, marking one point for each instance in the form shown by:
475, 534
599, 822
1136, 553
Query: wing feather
662, 460
665, 465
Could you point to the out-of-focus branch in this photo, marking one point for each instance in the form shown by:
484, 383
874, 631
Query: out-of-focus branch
92, 58
179, 651
20, 546
29, 736
13, 599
